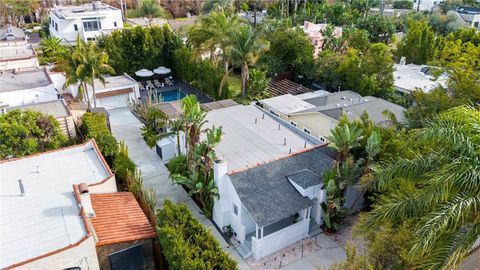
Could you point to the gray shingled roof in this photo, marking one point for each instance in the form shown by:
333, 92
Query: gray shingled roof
305, 178
266, 192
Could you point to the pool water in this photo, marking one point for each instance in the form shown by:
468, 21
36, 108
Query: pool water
171, 95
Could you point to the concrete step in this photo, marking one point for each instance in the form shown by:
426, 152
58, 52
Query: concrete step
244, 250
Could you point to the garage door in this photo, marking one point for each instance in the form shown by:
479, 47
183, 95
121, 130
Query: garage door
113, 102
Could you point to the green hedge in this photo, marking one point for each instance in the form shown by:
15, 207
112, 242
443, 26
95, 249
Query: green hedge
403, 4
186, 243
200, 74
94, 125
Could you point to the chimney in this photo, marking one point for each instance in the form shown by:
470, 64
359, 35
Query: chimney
220, 169
85, 200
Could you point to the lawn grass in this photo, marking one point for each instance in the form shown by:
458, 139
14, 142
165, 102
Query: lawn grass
234, 83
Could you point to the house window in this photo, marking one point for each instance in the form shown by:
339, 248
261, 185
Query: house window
114, 24
476, 24
293, 123
91, 26
56, 26
306, 130
75, 27
235, 209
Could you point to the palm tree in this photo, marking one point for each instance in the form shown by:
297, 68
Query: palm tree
246, 48
345, 137
149, 9
446, 202
214, 35
93, 63
52, 46
68, 62
193, 119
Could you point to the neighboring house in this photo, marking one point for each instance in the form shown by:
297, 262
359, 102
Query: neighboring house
285, 86
466, 16
89, 21
314, 34
410, 77
425, 5
316, 114
26, 87
50, 222
12, 36
43, 226
18, 57
269, 179
114, 93
56, 108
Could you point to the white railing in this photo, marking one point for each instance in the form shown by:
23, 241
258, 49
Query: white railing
280, 239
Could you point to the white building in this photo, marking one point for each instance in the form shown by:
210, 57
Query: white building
410, 77
42, 224
269, 180
425, 5
12, 36
18, 57
466, 16
114, 93
89, 21
26, 87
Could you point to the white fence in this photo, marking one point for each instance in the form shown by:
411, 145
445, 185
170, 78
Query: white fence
280, 239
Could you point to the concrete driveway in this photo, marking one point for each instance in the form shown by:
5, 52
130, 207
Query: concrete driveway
126, 127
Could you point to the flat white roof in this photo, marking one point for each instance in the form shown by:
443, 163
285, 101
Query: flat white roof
245, 143
408, 77
113, 83
47, 217
29, 79
94, 9
16, 52
287, 104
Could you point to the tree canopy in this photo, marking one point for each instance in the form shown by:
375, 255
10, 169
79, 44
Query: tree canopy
28, 132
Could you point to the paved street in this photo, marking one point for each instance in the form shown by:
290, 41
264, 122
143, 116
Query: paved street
126, 127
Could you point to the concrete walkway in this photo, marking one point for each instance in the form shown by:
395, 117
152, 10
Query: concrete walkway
125, 126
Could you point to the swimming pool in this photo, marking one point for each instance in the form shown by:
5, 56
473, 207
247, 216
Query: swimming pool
171, 95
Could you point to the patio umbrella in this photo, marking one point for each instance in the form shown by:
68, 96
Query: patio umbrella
162, 70
144, 73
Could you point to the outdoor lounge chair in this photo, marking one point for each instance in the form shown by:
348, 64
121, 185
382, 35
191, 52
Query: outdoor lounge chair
156, 82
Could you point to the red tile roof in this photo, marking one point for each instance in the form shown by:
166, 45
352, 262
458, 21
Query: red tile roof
119, 218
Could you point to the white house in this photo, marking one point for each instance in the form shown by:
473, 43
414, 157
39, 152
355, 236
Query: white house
269, 180
114, 93
466, 16
425, 5
18, 57
43, 226
26, 87
410, 77
12, 36
89, 21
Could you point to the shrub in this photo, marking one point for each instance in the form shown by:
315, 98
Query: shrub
186, 243
94, 125
122, 163
28, 132
403, 4
178, 165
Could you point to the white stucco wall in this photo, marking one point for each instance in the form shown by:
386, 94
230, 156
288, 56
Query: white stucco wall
280, 239
223, 208
108, 186
28, 96
84, 255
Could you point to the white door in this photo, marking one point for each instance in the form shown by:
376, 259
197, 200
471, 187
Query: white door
113, 102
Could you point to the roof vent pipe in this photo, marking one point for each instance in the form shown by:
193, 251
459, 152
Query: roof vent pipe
22, 188
255, 120
278, 126
38, 168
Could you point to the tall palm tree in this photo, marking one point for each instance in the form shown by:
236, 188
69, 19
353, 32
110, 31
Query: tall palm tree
446, 204
193, 118
214, 35
246, 48
93, 63
345, 137
68, 62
